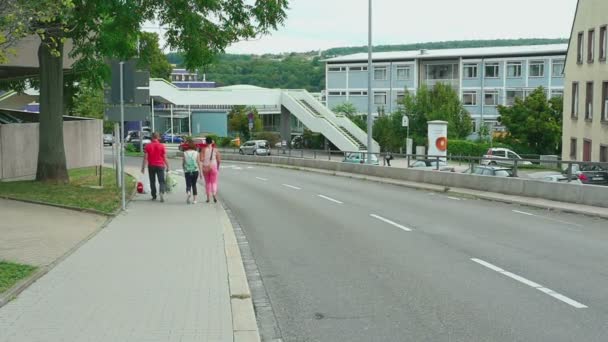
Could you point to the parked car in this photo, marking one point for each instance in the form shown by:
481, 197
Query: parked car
590, 174
431, 164
255, 147
502, 156
108, 139
172, 138
359, 158
552, 176
491, 170
136, 142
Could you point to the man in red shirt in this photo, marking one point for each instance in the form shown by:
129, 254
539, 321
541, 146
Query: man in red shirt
156, 158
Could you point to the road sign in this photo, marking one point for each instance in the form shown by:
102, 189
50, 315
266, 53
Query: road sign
250, 125
405, 121
133, 82
132, 113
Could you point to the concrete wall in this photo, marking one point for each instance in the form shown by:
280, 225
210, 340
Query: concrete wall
19, 147
570, 193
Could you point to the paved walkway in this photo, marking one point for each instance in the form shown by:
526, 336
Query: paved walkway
156, 273
38, 235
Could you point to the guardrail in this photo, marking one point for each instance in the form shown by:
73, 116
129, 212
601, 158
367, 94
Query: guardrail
568, 168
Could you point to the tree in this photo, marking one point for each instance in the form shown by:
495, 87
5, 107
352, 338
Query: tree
535, 122
438, 103
101, 29
345, 108
152, 57
238, 121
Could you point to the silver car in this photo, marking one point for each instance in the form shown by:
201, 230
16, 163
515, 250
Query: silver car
255, 147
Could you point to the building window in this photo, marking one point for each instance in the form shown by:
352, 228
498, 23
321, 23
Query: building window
579, 47
557, 93
573, 148
591, 46
357, 93
403, 73
492, 70
558, 68
605, 101
357, 68
336, 69
380, 73
575, 96
514, 94
537, 69
603, 154
589, 102
380, 98
603, 43
470, 70
337, 93
513, 69
587, 149
400, 97
491, 98
469, 98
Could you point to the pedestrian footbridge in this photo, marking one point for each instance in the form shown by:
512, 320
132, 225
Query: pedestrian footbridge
337, 128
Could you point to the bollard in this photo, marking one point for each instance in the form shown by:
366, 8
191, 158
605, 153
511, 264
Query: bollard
515, 168
437, 163
569, 172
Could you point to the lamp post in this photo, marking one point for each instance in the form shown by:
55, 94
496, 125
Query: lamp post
370, 95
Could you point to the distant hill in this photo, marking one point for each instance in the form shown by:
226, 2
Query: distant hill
306, 71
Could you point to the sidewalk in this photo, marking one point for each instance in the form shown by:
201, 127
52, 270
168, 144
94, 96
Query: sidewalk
156, 273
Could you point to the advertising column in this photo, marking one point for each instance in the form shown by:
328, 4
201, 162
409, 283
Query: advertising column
438, 138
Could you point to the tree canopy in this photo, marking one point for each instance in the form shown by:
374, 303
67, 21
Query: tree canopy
535, 121
102, 29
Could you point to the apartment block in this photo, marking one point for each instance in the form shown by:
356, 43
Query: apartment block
585, 133
483, 77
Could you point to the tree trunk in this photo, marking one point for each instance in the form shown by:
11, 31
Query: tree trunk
52, 164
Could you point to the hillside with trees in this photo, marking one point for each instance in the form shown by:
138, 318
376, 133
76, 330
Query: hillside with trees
306, 70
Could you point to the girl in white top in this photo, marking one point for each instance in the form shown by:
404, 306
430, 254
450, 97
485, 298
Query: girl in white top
190, 164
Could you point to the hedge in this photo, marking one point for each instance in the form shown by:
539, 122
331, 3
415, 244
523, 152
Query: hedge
470, 148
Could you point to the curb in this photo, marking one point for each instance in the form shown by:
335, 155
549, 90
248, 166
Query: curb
495, 197
244, 323
13, 292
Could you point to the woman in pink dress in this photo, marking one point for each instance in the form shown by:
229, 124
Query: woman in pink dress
210, 159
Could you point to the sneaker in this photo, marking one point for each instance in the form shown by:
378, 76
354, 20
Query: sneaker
194, 202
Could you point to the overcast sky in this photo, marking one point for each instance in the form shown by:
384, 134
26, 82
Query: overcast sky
323, 24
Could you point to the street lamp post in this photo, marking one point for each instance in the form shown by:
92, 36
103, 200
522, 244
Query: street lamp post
370, 95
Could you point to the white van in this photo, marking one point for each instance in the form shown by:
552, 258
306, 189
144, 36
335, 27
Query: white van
502, 156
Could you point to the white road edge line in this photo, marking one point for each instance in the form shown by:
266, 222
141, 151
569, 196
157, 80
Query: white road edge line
390, 222
330, 199
532, 284
292, 187
262, 179
522, 212
454, 198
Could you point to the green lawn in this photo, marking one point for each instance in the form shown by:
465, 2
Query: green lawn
78, 193
11, 273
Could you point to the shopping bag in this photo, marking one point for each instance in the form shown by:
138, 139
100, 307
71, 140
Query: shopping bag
170, 182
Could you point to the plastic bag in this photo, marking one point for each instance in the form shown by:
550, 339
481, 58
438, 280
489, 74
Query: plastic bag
143, 185
170, 182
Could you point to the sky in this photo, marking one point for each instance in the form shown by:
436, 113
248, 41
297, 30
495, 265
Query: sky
321, 24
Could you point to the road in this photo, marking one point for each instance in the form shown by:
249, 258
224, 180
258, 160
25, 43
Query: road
350, 260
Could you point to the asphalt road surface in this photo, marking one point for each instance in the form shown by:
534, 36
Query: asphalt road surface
351, 260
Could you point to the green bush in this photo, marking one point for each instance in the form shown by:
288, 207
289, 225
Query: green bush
224, 142
272, 137
131, 148
213, 137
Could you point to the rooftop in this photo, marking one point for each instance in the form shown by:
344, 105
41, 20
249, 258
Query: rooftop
456, 53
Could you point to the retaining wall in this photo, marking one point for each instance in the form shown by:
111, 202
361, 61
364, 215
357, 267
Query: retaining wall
563, 192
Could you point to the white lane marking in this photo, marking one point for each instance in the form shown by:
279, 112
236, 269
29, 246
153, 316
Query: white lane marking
547, 218
330, 199
532, 284
292, 187
250, 167
454, 198
262, 179
390, 222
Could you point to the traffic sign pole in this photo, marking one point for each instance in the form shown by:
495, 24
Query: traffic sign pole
122, 138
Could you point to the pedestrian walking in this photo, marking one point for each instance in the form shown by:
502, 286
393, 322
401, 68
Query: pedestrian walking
191, 166
155, 157
387, 158
210, 159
